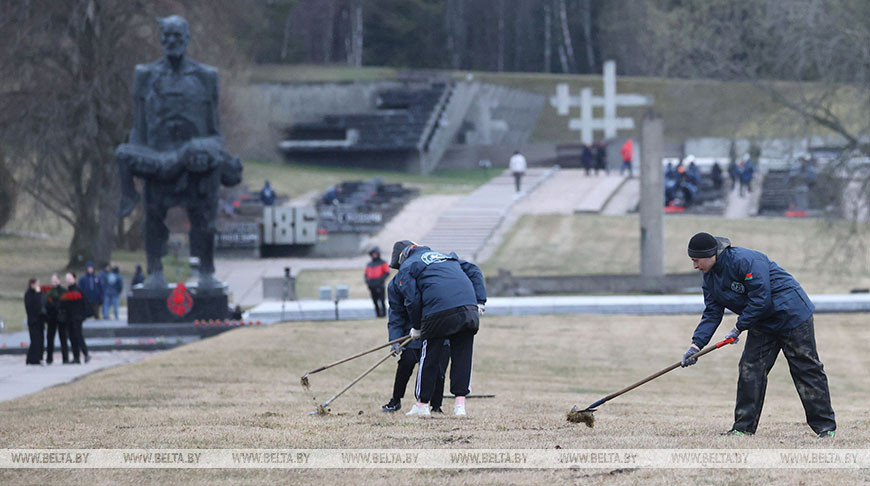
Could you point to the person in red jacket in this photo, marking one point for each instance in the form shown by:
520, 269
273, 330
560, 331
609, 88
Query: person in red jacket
376, 275
74, 310
627, 152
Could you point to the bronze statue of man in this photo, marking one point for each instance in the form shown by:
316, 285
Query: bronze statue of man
177, 148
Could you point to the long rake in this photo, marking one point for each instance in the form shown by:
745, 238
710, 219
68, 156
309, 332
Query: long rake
585, 416
304, 379
321, 409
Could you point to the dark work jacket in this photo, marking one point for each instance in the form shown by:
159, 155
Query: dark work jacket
73, 306
748, 283
399, 324
33, 306
431, 282
91, 285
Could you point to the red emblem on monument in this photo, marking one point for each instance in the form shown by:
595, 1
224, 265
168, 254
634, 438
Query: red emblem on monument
179, 301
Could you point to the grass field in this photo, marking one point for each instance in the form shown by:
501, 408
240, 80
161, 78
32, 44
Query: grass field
593, 244
241, 390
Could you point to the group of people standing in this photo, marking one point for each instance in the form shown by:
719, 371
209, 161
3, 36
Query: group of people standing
55, 309
58, 310
742, 173
103, 290
594, 157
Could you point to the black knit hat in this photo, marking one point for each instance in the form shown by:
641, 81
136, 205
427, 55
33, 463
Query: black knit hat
703, 245
398, 248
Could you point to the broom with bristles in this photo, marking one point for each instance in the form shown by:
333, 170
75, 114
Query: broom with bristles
585, 416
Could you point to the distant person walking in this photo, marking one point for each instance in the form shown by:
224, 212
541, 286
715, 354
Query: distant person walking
74, 309
54, 324
92, 288
443, 297
627, 152
746, 174
601, 157
733, 174
376, 275
518, 168
716, 175
113, 287
586, 158
33, 304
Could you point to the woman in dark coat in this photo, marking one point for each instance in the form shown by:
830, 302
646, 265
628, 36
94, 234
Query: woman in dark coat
35, 321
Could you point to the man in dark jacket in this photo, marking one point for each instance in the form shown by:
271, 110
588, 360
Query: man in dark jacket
400, 325
35, 321
777, 314
92, 288
376, 275
443, 297
74, 310
52, 311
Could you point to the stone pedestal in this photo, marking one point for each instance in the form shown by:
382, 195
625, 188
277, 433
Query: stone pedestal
176, 304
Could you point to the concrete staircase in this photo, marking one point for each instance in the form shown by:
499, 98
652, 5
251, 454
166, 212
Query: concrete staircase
467, 226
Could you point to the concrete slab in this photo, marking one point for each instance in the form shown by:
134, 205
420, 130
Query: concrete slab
18, 379
521, 306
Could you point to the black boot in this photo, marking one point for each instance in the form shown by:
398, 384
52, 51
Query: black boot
392, 406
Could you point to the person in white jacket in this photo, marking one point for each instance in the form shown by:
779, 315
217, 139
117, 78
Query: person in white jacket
518, 168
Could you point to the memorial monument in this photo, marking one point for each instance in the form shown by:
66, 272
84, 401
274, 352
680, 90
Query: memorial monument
176, 147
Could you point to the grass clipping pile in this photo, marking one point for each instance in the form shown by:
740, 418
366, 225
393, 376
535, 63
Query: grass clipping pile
581, 417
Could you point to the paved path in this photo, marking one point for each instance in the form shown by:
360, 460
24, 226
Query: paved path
566, 191
17, 379
467, 226
740, 207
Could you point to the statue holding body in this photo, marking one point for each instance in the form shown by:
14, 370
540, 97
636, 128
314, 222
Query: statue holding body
177, 148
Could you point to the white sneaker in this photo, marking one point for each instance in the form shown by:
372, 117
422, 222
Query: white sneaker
421, 411
459, 410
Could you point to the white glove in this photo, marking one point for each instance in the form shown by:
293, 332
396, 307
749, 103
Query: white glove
481, 308
416, 333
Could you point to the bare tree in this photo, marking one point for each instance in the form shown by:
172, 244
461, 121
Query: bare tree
548, 38
567, 47
65, 102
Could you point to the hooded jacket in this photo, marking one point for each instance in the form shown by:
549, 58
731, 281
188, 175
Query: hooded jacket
748, 283
430, 282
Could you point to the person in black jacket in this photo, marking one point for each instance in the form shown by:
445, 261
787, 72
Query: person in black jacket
35, 321
376, 275
74, 310
399, 325
55, 326
443, 297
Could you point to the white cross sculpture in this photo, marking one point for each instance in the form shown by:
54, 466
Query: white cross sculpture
563, 101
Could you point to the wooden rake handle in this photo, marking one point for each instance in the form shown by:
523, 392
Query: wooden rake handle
360, 377
660, 373
357, 355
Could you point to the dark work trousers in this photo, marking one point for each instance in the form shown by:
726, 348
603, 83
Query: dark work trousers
77, 340
461, 346
808, 373
518, 176
55, 326
405, 368
378, 295
36, 328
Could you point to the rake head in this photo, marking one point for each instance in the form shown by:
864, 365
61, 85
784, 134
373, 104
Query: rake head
582, 416
304, 381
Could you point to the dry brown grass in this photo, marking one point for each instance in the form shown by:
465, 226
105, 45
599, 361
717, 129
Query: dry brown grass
241, 390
